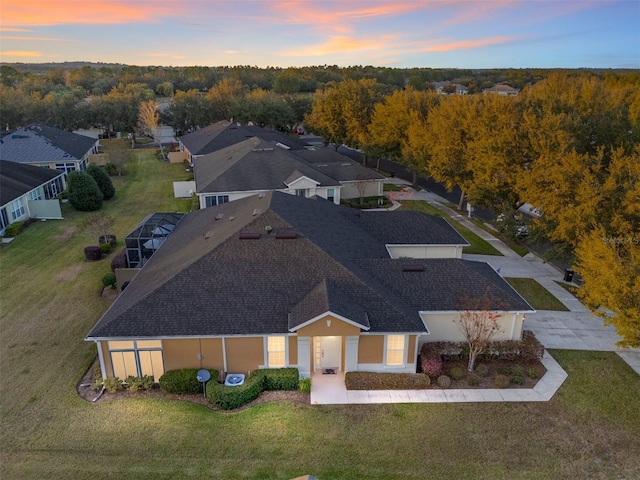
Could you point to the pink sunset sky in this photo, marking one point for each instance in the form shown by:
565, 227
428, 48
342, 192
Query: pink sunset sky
413, 33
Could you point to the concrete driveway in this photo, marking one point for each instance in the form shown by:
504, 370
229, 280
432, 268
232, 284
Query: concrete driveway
577, 329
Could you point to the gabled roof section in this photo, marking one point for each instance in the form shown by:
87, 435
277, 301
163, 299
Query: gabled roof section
38, 143
297, 176
223, 134
337, 166
251, 165
17, 179
328, 297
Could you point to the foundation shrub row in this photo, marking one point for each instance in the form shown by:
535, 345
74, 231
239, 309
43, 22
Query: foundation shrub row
386, 381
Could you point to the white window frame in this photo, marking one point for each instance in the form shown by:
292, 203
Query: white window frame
17, 209
268, 351
388, 349
215, 200
35, 195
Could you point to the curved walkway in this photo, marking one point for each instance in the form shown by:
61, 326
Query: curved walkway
577, 329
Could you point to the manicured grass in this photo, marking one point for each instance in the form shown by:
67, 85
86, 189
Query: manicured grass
517, 247
538, 297
50, 300
391, 187
572, 289
478, 245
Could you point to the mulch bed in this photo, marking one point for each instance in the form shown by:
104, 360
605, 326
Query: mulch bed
494, 368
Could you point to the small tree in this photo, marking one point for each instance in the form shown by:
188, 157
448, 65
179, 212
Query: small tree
148, 118
361, 184
104, 182
98, 225
478, 327
84, 193
118, 158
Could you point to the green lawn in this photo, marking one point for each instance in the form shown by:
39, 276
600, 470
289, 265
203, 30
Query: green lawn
517, 247
478, 245
538, 297
50, 300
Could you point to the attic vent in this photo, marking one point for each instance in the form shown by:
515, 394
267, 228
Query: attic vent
219, 216
209, 234
287, 235
282, 145
232, 218
261, 195
257, 211
262, 150
413, 268
346, 164
249, 236
322, 165
19, 136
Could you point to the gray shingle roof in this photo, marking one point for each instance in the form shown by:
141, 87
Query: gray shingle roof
224, 134
250, 165
206, 280
17, 179
37, 143
337, 166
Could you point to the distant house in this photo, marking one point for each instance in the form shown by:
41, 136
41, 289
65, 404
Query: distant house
278, 280
28, 192
49, 147
224, 134
448, 88
502, 90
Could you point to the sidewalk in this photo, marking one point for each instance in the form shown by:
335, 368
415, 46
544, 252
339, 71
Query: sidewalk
577, 329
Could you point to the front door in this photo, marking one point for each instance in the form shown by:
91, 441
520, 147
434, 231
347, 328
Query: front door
328, 352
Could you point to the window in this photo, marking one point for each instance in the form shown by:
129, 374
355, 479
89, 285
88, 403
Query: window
395, 350
330, 194
4, 219
35, 195
17, 209
66, 167
301, 192
137, 358
275, 352
215, 200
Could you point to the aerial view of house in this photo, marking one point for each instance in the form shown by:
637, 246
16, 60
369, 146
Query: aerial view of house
277, 280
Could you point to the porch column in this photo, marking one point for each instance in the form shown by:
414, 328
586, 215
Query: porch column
304, 357
351, 353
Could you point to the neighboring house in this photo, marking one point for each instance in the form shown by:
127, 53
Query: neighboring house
448, 88
351, 175
277, 280
49, 147
224, 134
502, 90
256, 166
28, 192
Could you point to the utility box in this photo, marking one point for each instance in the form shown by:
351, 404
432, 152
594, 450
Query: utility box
568, 275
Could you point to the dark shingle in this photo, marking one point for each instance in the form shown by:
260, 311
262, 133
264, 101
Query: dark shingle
17, 179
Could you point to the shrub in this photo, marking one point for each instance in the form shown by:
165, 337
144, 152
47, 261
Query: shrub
532, 373
139, 383
183, 381
305, 385
279, 378
98, 383
517, 380
502, 381
386, 381
473, 380
482, 370
119, 260
14, 229
110, 239
103, 181
431, 366
105, 248
92, 253
84, 193
228, 398
531, 349
456, 373
110, 169
444, 381
109, 280
517, 371
449, 350
112, 385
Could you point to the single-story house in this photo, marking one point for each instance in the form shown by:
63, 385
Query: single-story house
502, 90
224, 134
28, 192
49, 147
278, 280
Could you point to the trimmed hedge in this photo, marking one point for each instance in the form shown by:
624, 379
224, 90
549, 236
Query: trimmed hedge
92, 253
84, 193
230, 397
102, 180
119, 260
183, 381
14, 229
386, 381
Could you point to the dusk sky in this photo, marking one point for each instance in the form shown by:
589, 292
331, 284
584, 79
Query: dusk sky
410, 33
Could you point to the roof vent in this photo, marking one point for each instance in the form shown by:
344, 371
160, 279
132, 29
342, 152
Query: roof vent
257, 211
268, 228
232, 218
413, 268
346, 164
322, 165
209, 234
286, 235
249, 236
282, 145
219, 216
261, 195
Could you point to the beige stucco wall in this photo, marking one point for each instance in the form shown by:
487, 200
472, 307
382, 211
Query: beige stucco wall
349, 191
442, 328
371, 349
293, 350
181, 353
319, 328
178, 157
425, 251
411, 350
244, 354
212, 354
107, 359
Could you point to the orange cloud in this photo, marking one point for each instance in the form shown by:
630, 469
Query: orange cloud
46, 12
20, 53
11, 29
43, 39
468, 44
340, 44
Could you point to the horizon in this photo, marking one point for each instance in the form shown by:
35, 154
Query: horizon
466, 35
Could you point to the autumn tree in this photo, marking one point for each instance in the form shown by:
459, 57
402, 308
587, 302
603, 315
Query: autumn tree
223, 97
189, 109
478, 327
148, 119
264, 108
